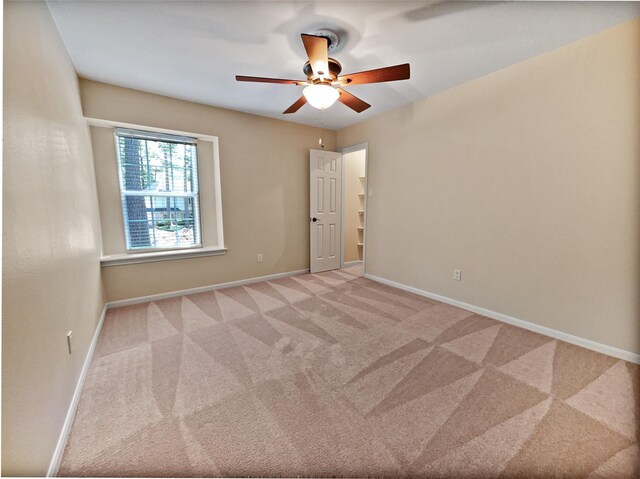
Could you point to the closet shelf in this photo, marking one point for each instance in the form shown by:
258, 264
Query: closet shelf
362, 199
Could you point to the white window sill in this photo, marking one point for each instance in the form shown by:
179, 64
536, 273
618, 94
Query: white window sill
133, 258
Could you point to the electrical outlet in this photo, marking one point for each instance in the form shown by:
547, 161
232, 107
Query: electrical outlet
259, 257
457, 274
69, 336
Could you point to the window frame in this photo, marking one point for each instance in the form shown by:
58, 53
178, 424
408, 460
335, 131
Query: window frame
165, 137
210, 180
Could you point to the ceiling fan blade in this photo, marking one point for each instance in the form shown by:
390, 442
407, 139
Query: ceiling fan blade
396, 72
352, 101
318, 52
296, 106
270, 80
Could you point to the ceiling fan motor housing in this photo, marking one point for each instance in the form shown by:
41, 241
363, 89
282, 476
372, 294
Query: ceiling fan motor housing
334, 70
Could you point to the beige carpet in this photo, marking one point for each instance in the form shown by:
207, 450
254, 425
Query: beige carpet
335, 375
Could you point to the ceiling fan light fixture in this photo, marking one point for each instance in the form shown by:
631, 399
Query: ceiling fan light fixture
324, 82
321, 96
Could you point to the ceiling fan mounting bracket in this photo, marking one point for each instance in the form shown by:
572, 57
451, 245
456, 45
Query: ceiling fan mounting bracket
334, 39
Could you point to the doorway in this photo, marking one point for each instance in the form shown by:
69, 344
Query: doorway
354, 205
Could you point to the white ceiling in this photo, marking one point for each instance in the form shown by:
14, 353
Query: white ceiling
193, 50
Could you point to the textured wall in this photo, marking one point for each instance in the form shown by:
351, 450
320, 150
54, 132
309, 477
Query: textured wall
264, 167
527, 179
51, 238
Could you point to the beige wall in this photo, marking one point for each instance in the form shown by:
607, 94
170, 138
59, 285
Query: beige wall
51, 238
527, 179
354, 169
264, 167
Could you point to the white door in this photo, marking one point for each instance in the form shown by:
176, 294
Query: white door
326, 209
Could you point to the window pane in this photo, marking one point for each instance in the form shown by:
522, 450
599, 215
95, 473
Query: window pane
161, 221
157, 165
168, 216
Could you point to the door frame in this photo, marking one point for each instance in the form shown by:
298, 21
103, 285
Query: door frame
349, 149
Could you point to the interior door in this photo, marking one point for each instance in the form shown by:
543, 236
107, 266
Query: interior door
325, 218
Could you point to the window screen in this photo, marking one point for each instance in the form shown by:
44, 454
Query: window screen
159, 188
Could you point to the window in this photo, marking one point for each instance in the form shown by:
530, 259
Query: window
159, 190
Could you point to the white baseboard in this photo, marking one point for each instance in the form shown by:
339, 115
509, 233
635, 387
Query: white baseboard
554, 333
201, 289
71, 412
351, 263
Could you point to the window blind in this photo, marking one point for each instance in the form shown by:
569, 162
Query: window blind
159, 190
155, 136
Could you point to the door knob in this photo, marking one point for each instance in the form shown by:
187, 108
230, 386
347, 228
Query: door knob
314, 219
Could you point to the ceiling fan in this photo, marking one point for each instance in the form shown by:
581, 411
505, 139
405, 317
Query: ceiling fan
324, 83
